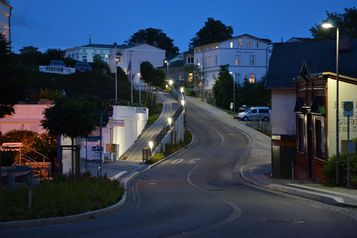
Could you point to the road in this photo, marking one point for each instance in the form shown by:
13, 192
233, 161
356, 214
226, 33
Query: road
134, 153
198, 193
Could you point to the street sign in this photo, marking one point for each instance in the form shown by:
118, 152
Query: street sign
348, 108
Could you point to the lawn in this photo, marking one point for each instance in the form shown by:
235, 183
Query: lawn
62, 197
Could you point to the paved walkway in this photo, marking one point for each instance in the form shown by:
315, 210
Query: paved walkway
256, 169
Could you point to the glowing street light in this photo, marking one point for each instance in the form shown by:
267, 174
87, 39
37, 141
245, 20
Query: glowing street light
171, 82
183, 102
169, 121
328, 25
151, 145
181, 89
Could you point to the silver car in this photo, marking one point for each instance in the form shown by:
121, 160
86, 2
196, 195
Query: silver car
255, 114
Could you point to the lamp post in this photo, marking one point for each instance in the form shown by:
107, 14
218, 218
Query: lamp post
328, 25
116, 79
151, 146
171, 82
234, 91
167, 68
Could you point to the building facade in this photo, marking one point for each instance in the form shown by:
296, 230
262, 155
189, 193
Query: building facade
246, 56
288, 61
128, 57
5, 15
316, 121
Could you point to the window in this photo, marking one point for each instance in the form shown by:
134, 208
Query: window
238, 60
257, 45
263, 110
240, 43
231, 44
320, 139
251, 60
249, 43
253, 111
216, 60
301, 125
84, 58
252, 78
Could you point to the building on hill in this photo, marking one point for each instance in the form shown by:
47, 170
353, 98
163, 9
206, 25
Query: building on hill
128, 57
5, 15
247, 58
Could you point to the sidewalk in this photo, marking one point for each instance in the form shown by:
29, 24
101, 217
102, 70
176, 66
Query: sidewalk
256, 168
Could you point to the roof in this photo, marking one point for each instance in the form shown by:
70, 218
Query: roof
6, 2
319, 56
109, 46
254, 37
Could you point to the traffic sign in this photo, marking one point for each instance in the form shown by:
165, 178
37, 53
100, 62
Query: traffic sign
348, 108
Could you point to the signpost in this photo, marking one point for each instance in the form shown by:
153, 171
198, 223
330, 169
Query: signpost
348, 112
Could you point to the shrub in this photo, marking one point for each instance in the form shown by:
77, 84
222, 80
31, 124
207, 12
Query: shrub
155, 158
330, 170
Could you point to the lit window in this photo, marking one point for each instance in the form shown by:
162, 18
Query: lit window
251, 60
252, 78
231, 44
217, 46
238, 60
240, 43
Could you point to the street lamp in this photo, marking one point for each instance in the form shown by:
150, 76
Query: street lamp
234, 91
167, 68
183, 102
169, 121
116, 78
328, 25
181, 90
151, 145
171, 82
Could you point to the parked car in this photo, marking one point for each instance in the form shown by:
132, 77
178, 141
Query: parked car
255, 114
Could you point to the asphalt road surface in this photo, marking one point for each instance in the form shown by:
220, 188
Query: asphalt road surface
198, 193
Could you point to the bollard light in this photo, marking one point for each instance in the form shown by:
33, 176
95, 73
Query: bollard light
151, 145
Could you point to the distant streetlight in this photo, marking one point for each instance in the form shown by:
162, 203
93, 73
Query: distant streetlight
167, 67
151, 145
183, 102
169, 121
171, 82
328, 25
116, 78
234, 91
181, 89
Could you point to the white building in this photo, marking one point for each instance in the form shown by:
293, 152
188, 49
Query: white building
126, 56
247, 57
5, 14
86, 53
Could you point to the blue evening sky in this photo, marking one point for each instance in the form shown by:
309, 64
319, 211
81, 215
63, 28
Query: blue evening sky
68, 23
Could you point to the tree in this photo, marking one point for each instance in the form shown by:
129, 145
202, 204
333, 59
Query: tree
152, 76
347, 22
30, 55
72, 118
222, 89
155, 37
252, 94
11, 87
99, 65
213, 31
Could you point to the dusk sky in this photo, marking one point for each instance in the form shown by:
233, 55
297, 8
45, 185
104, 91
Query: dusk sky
68, 23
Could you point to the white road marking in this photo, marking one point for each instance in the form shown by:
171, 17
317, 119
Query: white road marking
176, 161
193, 161
115, 177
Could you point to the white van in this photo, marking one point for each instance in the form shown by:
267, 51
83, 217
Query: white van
255, 114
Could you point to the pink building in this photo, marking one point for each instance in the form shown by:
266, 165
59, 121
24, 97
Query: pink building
26, 117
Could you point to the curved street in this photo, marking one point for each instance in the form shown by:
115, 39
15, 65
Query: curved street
199, 193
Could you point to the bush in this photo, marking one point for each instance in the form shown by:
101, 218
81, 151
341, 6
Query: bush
330, 170
7, 158
155, 158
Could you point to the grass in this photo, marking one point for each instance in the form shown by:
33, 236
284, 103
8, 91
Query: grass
62, 197
154, 115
